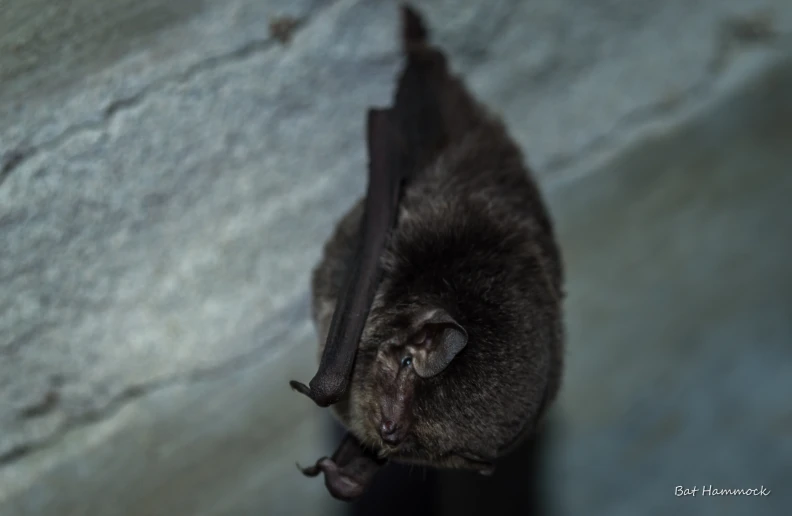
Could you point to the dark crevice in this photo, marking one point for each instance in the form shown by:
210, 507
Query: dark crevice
642, 115
15, 453
122, 104
12, 160
15, 158
289, 317
24, 450
47, 404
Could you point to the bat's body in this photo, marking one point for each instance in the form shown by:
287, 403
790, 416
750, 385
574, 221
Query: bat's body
460, 348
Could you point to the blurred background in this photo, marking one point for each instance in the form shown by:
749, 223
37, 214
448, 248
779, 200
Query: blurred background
170, 170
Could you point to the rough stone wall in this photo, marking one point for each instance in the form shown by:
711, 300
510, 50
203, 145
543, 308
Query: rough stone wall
169, 171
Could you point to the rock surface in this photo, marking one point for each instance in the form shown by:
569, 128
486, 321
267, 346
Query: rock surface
169, 171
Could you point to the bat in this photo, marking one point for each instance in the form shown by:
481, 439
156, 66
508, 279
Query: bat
438, 299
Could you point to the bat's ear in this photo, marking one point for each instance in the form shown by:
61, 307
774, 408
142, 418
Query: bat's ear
441, 338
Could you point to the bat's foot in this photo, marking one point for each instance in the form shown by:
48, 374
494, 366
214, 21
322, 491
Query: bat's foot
344, 483
349, 471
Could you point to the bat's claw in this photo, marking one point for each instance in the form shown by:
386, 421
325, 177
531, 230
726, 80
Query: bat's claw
300, 387
325, 393
311, 471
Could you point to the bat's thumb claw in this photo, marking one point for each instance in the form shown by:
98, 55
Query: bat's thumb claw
300, 387
324, 393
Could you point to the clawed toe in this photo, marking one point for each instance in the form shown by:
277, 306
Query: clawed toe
312, 471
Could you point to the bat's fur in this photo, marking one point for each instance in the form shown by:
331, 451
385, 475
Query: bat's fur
473, 238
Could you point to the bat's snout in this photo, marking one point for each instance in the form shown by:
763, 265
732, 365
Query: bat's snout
392, 433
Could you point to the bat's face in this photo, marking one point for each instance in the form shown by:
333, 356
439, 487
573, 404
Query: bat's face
392, 385
393, 371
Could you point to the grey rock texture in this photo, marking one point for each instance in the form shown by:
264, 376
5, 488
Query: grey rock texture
680, 317
170, 170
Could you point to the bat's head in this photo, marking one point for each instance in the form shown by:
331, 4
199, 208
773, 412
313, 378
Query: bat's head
405, 351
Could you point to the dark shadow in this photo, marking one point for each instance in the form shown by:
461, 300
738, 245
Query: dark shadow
402, 490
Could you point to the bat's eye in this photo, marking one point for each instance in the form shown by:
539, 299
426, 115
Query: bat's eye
406, 361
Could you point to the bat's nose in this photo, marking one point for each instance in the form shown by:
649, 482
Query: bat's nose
390, 432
